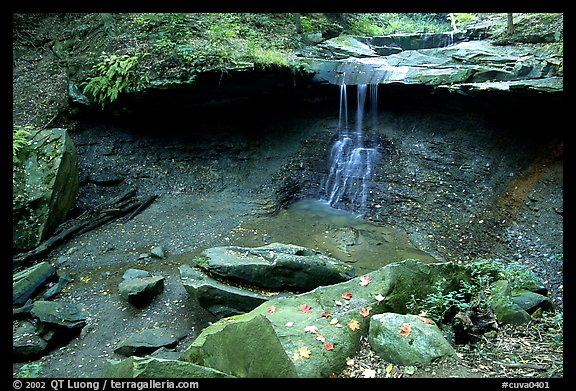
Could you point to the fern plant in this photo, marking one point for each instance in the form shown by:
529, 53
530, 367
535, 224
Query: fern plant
19, 140
115, 74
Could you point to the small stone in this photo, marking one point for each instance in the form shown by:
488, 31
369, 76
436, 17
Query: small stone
158, 252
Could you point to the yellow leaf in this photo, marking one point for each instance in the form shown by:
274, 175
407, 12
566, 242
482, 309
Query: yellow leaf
389, 368
354, 325
304, 352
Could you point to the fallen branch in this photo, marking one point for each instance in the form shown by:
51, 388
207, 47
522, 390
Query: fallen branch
87, 221
522, 365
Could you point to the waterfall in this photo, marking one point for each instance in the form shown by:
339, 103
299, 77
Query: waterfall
351, 162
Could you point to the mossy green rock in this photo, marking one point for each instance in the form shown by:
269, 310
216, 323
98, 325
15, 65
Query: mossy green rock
506, 311
421, 345
44, 187
272, 340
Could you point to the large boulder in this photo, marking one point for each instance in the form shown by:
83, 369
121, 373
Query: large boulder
407, 339
311, 334
44, 186
275, 266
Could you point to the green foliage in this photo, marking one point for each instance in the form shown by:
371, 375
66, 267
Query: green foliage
218, 41
390, 23
473, 293
318, 23
19, 141
367, 25
29, 370
462, 19
437, 304
115, 74
518, 274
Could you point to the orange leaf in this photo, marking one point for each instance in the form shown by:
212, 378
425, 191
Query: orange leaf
354, 325
365, 280
328, 346
305, 308
405, 329
271, 309
347, 295
365, 311
425, 320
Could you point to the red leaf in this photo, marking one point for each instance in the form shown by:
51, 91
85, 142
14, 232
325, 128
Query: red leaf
328, 346
305, 308
271, 309
326, 314
347, 295
365, 280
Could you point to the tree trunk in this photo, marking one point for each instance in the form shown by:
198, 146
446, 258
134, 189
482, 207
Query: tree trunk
298, 22
510, 25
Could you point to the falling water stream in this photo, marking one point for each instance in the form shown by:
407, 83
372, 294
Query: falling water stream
351, 161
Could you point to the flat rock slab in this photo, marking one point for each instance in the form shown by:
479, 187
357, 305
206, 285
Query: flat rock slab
147, 341
59, 313
151, 367
275, 266
220, 299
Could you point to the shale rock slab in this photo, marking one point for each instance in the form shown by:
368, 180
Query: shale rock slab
275, 266
220, 299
